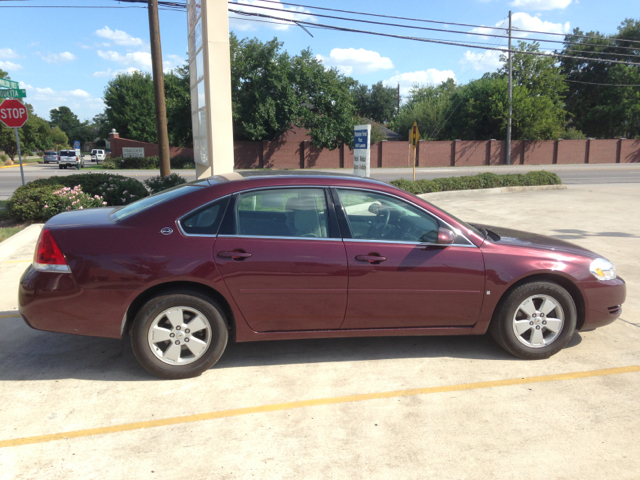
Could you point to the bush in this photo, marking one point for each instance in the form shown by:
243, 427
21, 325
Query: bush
146, 163
90, 183
41, 202
483, 180
122, 190
4, 157
157, 184
182, 161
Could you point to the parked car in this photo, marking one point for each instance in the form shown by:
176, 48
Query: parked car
97, 155
292, 257
70, 158
50, 156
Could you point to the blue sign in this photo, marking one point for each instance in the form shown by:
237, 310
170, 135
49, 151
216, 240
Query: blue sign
76, 144
361, 138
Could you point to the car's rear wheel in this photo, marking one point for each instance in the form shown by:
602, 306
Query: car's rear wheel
60, 167
536, 320
179, 334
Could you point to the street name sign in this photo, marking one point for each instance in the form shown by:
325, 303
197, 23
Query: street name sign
13, 113
4, 83
361, 150
13, 93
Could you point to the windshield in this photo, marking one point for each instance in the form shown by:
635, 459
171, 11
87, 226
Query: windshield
148, 202
461, 222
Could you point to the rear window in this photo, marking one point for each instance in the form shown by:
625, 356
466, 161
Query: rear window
94, 152
50, 153
68, 153
148, 202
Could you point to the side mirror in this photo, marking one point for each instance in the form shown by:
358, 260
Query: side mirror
446, 236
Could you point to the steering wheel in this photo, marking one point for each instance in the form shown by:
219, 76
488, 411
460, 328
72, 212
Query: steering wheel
376, 230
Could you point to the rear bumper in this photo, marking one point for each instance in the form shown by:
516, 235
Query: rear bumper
603, 302
55, 303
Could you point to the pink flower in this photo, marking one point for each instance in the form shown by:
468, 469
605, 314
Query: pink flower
46, 206
104, 203
80, 208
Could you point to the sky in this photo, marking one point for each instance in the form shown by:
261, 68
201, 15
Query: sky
66, 56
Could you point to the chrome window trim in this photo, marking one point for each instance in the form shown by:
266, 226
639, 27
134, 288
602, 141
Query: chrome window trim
266, 237
179, 221
456, 230
418, 244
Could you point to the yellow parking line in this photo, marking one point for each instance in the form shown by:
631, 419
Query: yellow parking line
18, 261
311, 403
16, 315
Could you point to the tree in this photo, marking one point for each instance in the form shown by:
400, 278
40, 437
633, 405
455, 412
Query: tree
272, 91
34, 135
430, 106
130, 106
4, 74
603, 110
379, 103
178, 99
59, 139
68, 122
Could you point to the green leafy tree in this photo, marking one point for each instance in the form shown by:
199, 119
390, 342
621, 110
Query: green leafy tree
59, 139
178, 99
70, 124
430, 106
4, 74
34, 135
130, 106
598, 108
379, 103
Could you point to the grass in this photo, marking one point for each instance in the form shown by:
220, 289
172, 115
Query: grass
8, 226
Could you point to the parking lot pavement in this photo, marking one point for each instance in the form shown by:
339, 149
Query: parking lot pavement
481, 413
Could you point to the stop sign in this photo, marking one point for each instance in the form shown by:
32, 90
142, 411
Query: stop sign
13, 113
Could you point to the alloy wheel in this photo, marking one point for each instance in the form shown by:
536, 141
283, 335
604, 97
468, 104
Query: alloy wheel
538, 321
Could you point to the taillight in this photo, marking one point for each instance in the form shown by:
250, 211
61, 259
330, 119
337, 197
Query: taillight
48, 256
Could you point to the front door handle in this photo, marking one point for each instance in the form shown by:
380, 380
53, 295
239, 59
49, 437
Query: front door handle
235, 255
373, 258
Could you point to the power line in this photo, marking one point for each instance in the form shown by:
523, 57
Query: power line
442, 42
603, 84
430, 21
415, 27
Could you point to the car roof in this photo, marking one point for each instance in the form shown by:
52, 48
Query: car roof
275, 175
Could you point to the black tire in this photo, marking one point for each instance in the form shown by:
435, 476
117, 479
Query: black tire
187, 299
502, 324
60, 167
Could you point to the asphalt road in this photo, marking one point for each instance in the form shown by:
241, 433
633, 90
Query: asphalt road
570, 174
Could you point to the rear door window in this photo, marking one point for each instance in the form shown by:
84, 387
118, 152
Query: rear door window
286, 212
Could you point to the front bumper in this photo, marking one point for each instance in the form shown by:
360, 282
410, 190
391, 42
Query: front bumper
603, 303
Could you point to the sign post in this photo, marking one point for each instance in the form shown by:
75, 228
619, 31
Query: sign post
14, 115
414, 136
361, 150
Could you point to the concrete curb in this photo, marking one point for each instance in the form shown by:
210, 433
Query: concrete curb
12, 244
489, 191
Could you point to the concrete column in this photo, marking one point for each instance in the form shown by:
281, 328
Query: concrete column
209, 25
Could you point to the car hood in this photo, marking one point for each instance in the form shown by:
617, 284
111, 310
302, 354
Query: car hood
519, 238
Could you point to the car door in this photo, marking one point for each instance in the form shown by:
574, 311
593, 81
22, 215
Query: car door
282, 258
398, 276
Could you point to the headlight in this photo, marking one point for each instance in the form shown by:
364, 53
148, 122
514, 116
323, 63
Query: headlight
602, 269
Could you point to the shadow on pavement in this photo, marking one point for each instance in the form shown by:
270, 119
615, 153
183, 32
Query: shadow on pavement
34, 355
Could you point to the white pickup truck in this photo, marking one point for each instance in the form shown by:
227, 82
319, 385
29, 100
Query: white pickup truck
70, 158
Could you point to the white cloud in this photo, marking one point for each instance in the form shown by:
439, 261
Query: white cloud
119, 37
541, 4
79, 101
290, 14
351, 61
172, 61
6, 53
421, 77
524, 21
486, 61
106, 73
58, 57
10, 66
141, 60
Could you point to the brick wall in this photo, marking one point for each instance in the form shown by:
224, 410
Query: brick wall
294, 150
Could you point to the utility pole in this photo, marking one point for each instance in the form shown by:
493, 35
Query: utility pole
508, 157
158, 89
398, 98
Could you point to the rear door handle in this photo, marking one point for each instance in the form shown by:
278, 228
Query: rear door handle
371, 258
235, 255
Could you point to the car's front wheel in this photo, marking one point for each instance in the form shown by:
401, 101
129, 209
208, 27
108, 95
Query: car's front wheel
536, 320
179, 334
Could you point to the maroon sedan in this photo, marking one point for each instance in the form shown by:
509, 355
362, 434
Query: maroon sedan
286, 257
